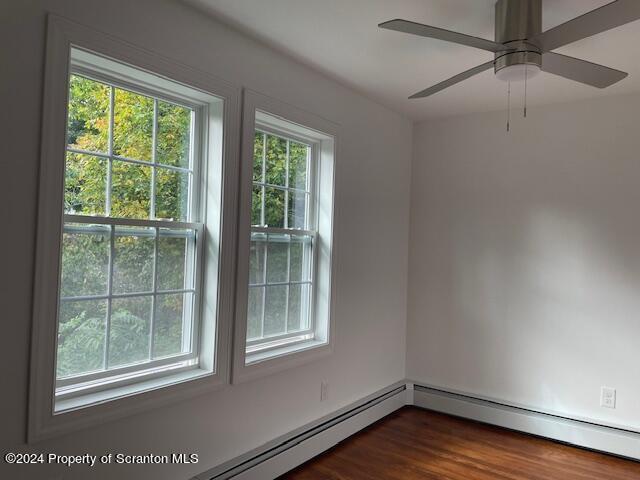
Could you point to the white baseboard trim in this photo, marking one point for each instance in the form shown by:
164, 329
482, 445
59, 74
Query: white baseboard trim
295, 448
583, 434
289, 451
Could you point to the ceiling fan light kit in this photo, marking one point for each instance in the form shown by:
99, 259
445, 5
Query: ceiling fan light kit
522, 50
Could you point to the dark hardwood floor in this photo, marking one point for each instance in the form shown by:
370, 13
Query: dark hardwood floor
419, 444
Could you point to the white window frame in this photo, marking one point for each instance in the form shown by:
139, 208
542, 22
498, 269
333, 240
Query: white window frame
252, 360
48, 416
278, 341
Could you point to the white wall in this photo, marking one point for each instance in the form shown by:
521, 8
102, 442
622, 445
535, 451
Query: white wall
525, 257
371, 220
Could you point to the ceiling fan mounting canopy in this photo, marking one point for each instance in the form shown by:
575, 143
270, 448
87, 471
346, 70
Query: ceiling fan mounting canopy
521, 49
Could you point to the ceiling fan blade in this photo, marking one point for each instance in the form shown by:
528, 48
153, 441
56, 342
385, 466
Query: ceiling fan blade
580, 70
605, 18
453, 80
441, 34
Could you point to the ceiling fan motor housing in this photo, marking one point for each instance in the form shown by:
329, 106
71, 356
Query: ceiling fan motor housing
517, 21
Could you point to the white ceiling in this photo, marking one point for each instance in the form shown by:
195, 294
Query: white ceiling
341, 38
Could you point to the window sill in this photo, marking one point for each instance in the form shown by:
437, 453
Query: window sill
63, 405
261, 363
263, 355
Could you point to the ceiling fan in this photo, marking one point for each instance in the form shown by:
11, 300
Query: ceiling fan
522, 49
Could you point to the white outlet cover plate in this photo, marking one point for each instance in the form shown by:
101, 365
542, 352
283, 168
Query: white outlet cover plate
608, 397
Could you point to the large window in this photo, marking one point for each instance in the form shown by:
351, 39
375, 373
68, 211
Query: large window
131, 253
283, 233
134, 288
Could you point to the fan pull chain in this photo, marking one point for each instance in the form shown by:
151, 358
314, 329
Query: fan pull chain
509, 107
526, 77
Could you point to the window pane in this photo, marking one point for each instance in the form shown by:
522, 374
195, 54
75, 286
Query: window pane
298, 165
133, 125
85, 260
258, 152
131, 190
172, 194
133, 260
274, 207
167, 329
174, 259
300, 263
81, 334
297, 210
276, 168
275, 310
256, 258
173, 135
88, 117
254, 313
129, 332
298, 312
277, 258
256, 206
127, 286
85, 185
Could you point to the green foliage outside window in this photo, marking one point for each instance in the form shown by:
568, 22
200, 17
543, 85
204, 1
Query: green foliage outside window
82, 333
280, 176
280, 198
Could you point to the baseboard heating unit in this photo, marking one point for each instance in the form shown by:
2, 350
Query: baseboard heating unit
287, 452
293, 449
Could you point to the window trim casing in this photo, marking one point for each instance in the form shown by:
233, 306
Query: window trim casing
43, 422
326, 136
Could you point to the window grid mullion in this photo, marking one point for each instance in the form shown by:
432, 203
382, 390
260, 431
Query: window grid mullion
286, 225
275, 187
264, 279
110, 151
107, 339
152, 213
132, 222
120, 158
131, 295
286, 185
263, 199
282, 231
194, 209
308, 197
286, 315
154, 144
263, 222
280, 284
154, 296
108, 202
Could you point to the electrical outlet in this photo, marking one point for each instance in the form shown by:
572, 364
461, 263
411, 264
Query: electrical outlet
324, 391
608, 397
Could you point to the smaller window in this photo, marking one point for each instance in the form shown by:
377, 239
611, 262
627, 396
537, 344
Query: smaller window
283, 232
285, 314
